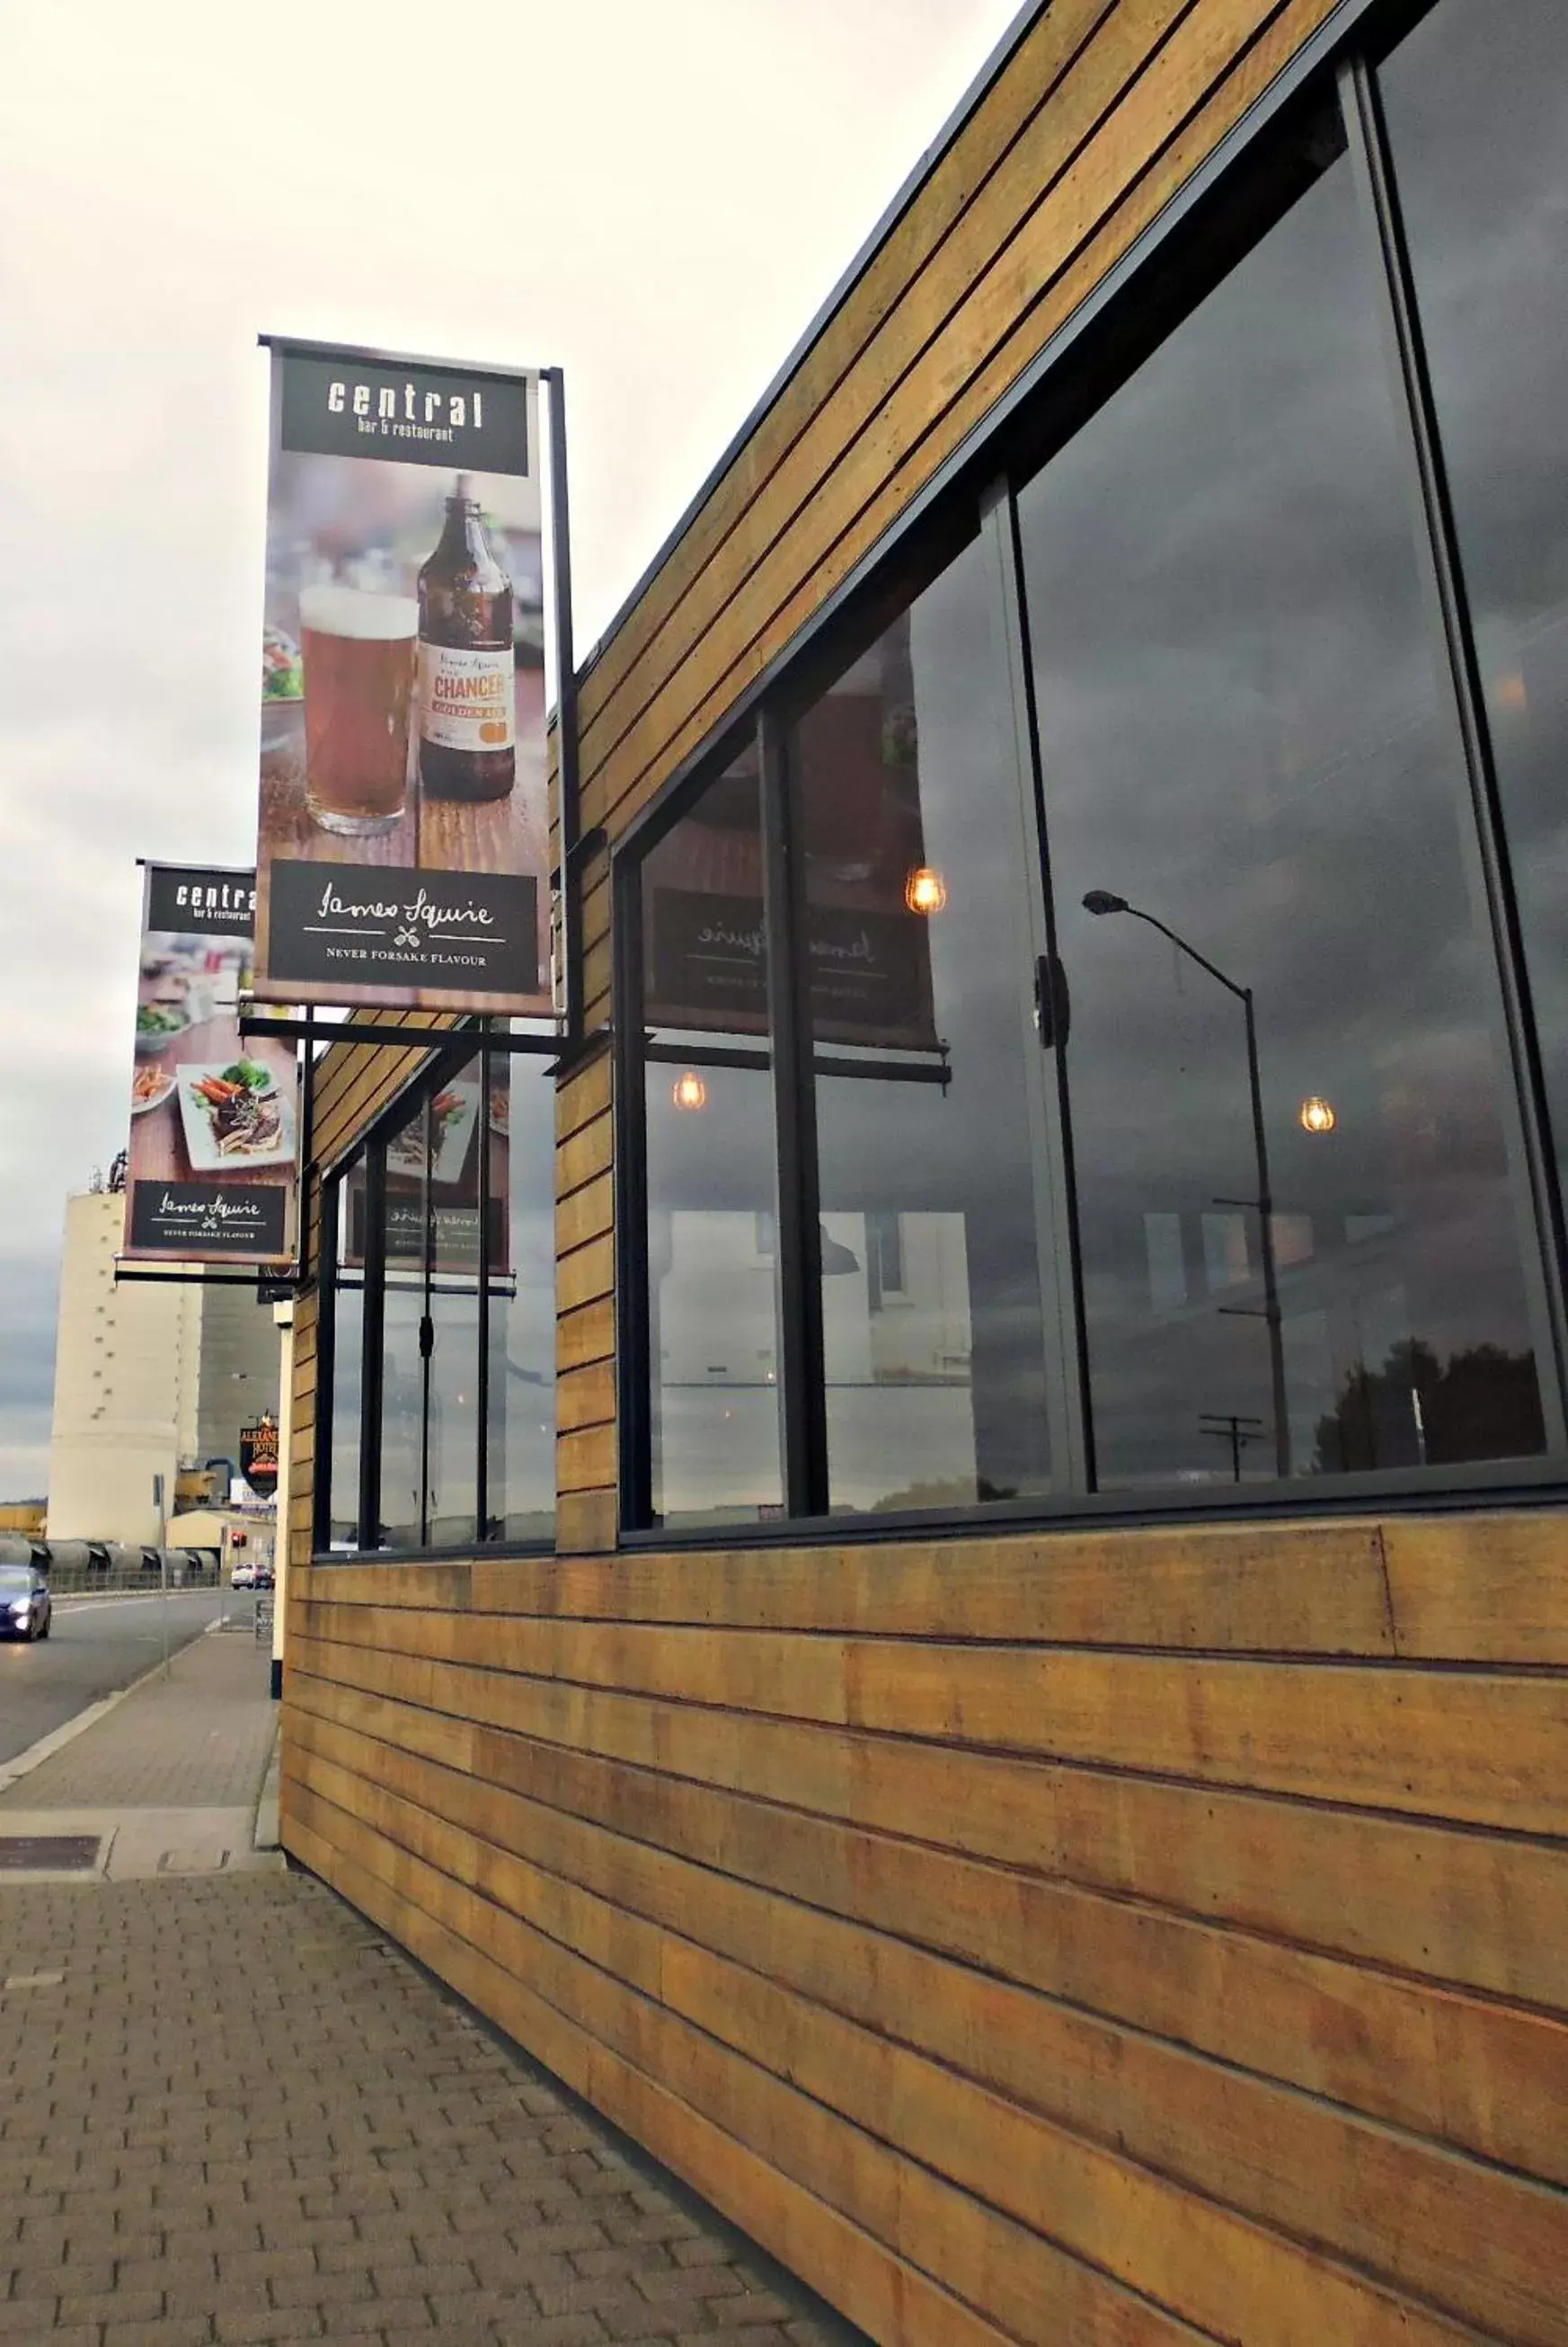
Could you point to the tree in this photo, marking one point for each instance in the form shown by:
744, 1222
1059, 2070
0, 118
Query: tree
1482, 1403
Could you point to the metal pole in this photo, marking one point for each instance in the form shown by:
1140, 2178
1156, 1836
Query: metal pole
1100, 901
790, 1015
1266, 1245
283, 1320
568, 806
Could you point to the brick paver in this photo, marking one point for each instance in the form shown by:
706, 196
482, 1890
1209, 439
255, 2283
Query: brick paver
231, 2111
198, 1740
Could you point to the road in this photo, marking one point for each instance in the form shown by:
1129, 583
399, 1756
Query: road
97, 1645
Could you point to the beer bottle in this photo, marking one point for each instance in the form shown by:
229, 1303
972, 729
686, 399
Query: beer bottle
467, 730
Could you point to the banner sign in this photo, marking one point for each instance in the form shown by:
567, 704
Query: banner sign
210, 1171
403, 849
869, 969
868, 948
258, 1457
436, 1193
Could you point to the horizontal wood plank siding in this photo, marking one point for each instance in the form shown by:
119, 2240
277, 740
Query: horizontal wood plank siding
1431, 2217
1246, 1999
1426, 1743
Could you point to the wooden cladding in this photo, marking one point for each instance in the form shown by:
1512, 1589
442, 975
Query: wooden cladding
1467, 1588
1189, 1980
585, 1279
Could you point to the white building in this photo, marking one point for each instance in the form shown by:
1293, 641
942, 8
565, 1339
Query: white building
150, 1378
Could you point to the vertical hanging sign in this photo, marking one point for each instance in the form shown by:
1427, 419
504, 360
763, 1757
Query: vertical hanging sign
210, 1171
403, 849
259, 1456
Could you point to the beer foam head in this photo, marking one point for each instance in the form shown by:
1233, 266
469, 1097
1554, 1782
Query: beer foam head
347, 611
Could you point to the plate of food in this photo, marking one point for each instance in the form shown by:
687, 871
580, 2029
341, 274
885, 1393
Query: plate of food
500, 1111
234, 1115
453, 1116
150, 1087
159, 1023
405, 1150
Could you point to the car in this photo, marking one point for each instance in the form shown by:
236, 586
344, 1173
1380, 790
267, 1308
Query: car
265, 1578
243, 1576
25, 1610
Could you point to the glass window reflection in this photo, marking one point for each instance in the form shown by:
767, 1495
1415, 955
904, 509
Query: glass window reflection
1477, 107
347, 1273
403, 1364
520, 1145
468, 1374
713, 1268
458, 1128
1246, 737
930, 1077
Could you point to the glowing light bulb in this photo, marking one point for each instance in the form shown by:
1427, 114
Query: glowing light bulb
690, 1090
1315, 1115
924, 891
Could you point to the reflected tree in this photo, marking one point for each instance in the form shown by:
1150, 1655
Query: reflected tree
1419, 1411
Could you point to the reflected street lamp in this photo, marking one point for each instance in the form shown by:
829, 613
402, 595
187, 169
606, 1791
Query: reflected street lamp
924, 891
1101, 900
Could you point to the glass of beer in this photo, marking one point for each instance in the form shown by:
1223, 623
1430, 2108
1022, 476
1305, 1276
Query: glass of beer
358, 651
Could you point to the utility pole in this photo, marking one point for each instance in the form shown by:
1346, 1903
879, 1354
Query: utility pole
1228, 1428
1101, 901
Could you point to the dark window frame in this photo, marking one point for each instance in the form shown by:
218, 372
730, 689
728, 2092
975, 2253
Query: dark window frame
1203, 231
470, 1042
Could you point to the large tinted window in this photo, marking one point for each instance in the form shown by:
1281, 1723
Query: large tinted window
1247, 736
444, 1277
1477, 107
403, 1374
520, 1113
346, 1271
459, 1132
927, 1073
713, 1254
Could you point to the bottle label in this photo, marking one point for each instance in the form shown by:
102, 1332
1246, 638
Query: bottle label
466, 700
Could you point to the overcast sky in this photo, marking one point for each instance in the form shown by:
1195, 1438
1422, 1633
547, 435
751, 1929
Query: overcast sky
655, 200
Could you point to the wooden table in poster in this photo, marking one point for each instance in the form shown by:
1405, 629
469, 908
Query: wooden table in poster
500, 835
158, 1150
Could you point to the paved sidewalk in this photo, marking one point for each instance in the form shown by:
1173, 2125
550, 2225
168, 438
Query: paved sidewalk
231, 2111
198, 1739
166, 1781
